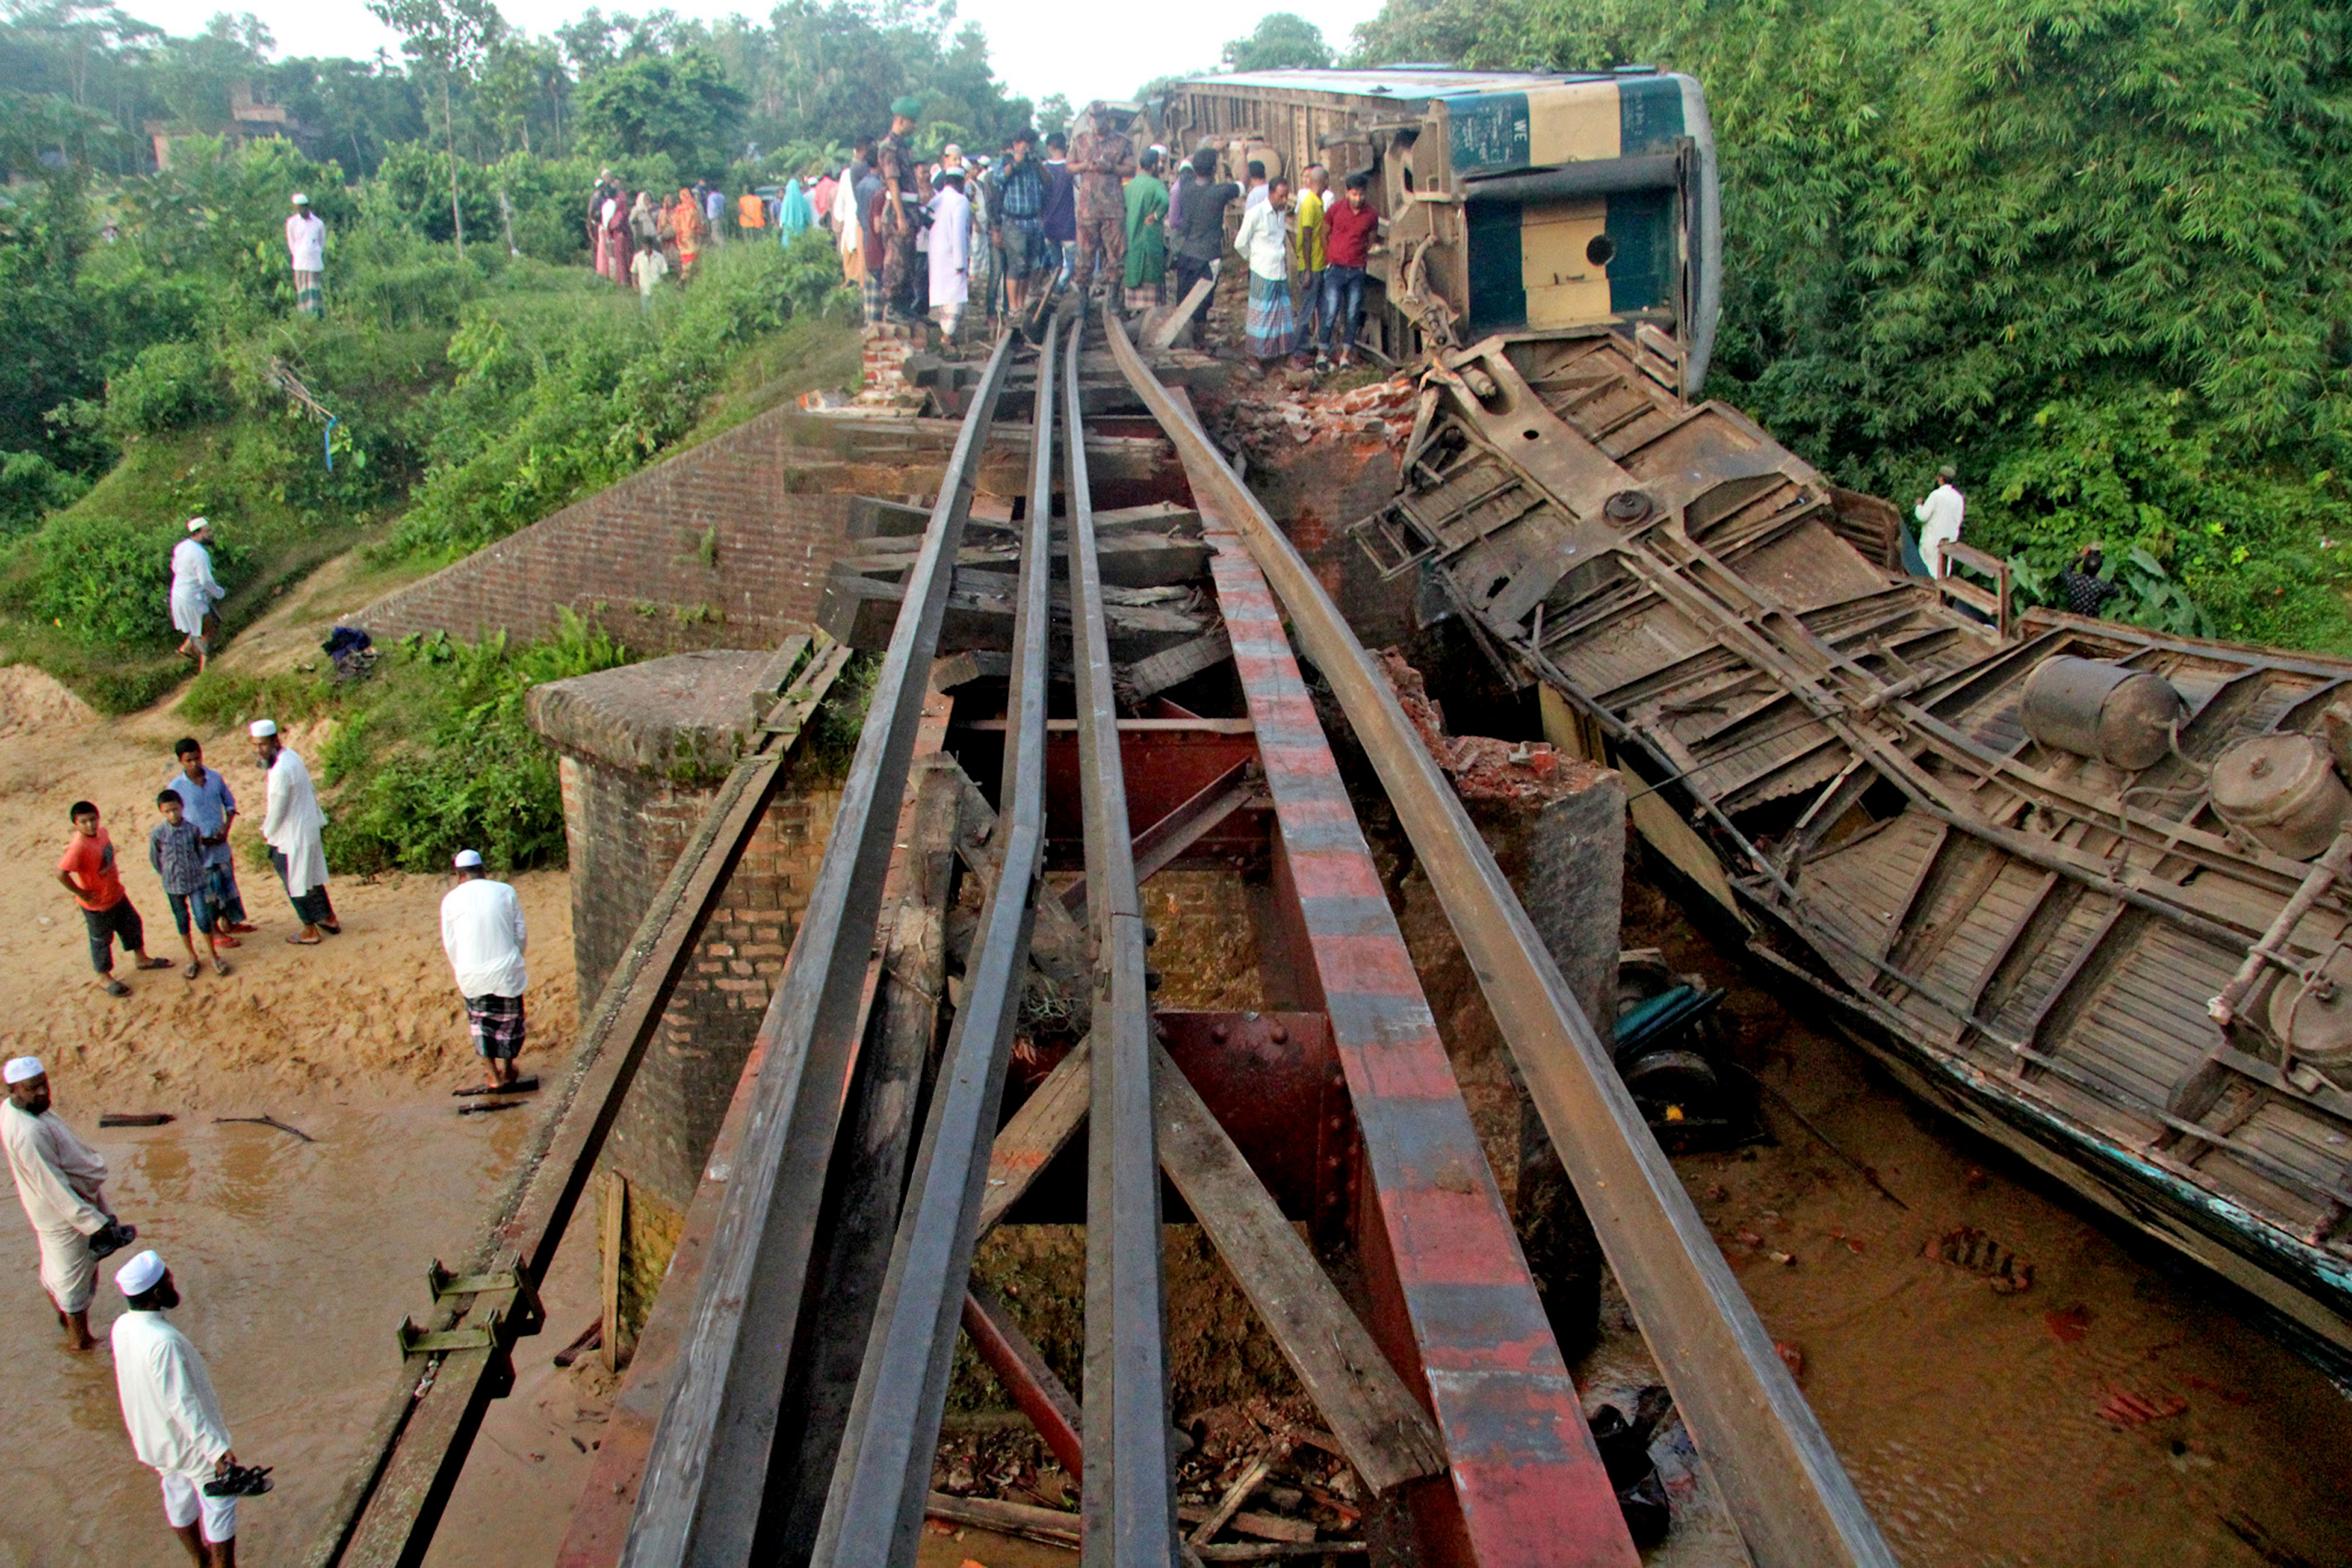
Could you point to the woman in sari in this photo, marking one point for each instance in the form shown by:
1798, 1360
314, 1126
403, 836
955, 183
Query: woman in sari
616, 239
689, 235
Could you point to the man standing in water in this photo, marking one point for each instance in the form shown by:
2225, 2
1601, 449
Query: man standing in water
481, 931
294, 826
61, 1181
175, 1417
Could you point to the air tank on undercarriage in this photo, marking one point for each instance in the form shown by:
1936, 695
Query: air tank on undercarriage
2105, 712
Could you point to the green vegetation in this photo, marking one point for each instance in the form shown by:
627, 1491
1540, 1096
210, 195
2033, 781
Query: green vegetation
431, 753
2088, 250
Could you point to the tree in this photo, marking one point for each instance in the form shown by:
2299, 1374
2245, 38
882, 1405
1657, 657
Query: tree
679, 104
1284, 40
1054, 114
449, 36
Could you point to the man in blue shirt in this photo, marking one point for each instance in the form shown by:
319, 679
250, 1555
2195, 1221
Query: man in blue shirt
205, 799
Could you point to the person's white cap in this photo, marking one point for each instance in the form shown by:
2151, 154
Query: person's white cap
261, 727
950, 151
196, 523
138, 1276
19, 1068
468, 859
300, 200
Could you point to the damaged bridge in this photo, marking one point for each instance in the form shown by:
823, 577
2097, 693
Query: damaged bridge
1069, 702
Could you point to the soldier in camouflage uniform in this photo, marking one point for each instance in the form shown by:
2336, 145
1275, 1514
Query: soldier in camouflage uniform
894, 161
1102, 158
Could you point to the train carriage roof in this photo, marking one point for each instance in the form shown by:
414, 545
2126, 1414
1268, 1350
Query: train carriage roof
1398, 81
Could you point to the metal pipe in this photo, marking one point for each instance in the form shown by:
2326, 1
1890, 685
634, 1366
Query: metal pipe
2223, 1008
1792, 1500
707, 1477
873, 1514
1572, 182
1129, 1502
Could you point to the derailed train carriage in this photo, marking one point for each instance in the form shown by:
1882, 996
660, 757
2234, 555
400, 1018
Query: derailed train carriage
1511, 202
2115, 938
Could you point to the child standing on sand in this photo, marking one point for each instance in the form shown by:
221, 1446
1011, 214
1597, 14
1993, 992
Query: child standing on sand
176, 850
87, 871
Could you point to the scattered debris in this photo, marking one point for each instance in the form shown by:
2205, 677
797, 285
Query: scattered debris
487, 1106
1791, 1356
265, 1120
588, 1338
1968, 1247
135, 1119
2124, 1409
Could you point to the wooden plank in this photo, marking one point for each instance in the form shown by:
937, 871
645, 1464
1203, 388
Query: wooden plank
1382, 1430
1049, 1525
1040, 1129
1150, 676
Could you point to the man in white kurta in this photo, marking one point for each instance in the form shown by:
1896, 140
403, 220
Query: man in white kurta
60, 1180
306, 248
950, 250
1940, 515
481, 931
174, 1415
194, 590
294, 827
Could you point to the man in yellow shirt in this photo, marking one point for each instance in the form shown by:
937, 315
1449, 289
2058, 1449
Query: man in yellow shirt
1307, 249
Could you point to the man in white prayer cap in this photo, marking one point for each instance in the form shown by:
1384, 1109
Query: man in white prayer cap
60, 1180
175, 1417
481, 931
294, 826
194, 592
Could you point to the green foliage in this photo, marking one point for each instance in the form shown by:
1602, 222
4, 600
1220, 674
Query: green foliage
1283, 40
2089, 250
30, 485
167, 386
679, 105
557, 396
435, 754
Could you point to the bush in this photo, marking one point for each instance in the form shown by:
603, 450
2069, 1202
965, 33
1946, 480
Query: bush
559, 394
440, 757
30, 486
168, 386
106, 578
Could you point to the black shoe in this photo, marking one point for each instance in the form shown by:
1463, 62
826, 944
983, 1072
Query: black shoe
240, 1480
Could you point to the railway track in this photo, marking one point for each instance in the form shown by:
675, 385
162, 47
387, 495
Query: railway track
800, 1356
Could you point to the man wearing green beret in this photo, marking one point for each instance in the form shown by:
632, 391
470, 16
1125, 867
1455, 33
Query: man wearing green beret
894, 161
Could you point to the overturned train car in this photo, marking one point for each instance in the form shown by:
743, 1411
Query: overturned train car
1509, 202
2086, 886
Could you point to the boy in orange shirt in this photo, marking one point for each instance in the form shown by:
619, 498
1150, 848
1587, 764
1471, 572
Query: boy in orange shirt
87, 871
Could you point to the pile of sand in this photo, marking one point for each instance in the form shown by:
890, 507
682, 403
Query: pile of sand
371, 1014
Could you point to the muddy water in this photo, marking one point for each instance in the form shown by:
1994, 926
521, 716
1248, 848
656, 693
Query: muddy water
296, 1261
1970, 1418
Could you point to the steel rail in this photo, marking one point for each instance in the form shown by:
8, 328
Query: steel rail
707, 1477
874, 1511
1791, 1497
1129, 1501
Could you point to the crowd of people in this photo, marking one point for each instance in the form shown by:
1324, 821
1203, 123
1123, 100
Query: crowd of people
169, 1406
1093, 213
988, 237
637, 241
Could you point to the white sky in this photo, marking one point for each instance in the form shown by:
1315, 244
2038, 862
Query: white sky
1039, 47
